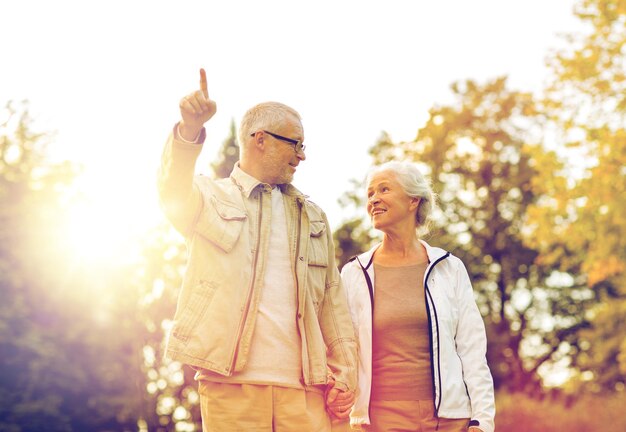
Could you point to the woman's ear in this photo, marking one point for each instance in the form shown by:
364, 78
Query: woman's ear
415, 202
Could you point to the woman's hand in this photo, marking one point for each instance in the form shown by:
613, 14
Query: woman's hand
338, 403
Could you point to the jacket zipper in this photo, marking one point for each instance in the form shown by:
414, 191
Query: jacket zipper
370, 289
244, 316
428, 296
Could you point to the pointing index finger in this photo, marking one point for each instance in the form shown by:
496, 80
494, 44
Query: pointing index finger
203, 85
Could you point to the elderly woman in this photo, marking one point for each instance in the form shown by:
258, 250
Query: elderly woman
422, 340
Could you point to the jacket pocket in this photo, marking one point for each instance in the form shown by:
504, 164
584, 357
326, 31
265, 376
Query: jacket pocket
194, 309
221, 223
318, 245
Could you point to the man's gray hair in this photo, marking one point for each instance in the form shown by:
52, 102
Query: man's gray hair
414, 185
264, 116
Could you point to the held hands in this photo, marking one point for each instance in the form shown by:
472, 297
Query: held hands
196, 109
338, 403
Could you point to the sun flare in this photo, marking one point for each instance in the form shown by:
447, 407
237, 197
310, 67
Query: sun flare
107, 226
95, 234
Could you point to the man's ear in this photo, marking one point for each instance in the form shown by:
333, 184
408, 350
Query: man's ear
258, 140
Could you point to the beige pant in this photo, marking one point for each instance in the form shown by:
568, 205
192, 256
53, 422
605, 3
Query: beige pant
266, 408
413, 416
340, 425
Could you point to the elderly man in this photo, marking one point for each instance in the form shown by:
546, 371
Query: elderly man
262, 315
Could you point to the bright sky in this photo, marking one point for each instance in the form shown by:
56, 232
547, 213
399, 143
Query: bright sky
107, 76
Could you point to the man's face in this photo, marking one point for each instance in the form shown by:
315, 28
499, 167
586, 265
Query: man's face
280, 158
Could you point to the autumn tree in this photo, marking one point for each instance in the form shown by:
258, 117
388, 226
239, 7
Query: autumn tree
580, 225
480, 153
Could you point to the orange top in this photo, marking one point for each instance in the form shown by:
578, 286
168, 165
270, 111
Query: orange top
400, 345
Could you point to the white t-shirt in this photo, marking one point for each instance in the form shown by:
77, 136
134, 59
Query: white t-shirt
274, 356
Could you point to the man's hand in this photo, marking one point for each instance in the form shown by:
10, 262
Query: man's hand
338, 403
196, 109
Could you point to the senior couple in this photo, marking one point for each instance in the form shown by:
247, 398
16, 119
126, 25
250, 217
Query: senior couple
279, 339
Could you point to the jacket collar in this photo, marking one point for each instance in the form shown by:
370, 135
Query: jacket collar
247, 184
366, 258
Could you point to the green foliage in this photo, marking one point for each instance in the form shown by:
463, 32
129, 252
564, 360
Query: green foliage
229, 154
351, 238
354, 236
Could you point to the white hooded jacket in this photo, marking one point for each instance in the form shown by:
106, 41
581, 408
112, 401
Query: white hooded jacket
462, 381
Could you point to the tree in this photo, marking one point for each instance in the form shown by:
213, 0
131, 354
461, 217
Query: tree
229, 154
580, 225
68, 358
351, 239
355, 236
482, 154
170, 394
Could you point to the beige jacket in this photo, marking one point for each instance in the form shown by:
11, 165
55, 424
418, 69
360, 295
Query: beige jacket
227, 236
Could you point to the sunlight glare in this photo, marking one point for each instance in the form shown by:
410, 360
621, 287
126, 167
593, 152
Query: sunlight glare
95, 234
107, 226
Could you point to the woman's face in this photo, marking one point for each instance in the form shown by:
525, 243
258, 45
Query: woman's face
387, 204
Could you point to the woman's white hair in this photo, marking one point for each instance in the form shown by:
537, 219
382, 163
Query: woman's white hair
414, 185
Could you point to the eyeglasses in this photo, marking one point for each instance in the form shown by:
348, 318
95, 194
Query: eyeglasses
297, 145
